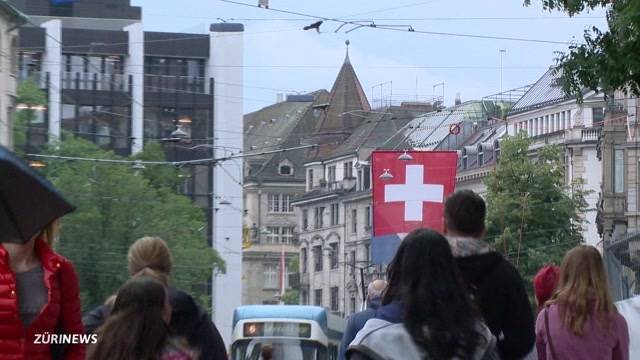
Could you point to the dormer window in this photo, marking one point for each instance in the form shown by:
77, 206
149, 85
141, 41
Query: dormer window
285, 168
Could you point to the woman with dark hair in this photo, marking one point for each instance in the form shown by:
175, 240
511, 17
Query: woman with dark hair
137, 328
427, 312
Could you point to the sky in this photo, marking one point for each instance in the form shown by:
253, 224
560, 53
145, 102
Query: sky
280, 57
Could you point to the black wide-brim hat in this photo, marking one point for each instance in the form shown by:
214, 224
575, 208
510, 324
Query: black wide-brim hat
28, 201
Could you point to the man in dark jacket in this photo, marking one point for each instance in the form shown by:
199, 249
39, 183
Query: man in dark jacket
356, 321
496, 285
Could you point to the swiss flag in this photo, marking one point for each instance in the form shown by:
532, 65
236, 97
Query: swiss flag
409, 190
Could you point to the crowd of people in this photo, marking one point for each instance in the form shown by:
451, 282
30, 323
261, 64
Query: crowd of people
451, 296
447, 296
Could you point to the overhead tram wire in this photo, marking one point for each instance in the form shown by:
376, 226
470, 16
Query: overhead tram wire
171, 163
409, 28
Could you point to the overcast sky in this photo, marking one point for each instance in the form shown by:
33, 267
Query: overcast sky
280, 56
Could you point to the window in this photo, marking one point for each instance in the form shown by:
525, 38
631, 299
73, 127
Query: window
305, 219
287, 235
353, 261
317, 258
331, 174
348, 169
309, 179
270, 276
318, 218
464, 161
335, 214
353, 304
480, 155
354, 221
317, 297
286, 203
303, 260
367, 217
367, 253
274, 202
334, 298
286, 170
304, 297
366, 182
273, 236
334, 255
280, 203
618, 171
598, 116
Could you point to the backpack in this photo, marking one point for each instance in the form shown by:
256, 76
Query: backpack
383, 340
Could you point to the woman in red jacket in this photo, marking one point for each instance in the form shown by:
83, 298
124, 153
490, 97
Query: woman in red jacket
39, 298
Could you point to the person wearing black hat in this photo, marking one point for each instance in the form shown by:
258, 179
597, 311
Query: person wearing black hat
39, 292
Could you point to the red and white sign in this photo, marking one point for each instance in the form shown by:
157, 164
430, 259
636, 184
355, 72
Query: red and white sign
409, 189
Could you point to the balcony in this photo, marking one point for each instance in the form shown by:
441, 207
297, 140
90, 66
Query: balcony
590, 134
170, 83
93, 81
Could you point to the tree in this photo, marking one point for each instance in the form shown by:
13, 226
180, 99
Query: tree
28, 93
606, 60
115, 206
292, 297
533, 217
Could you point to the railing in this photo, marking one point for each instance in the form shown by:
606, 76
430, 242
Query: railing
91, 81
590, 134
169, 83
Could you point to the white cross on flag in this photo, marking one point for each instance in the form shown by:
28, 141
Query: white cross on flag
409, 189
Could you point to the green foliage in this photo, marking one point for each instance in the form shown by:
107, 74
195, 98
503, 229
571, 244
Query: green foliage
114, 208
291, 297
159, 176
605, 61
27, 93
533, 217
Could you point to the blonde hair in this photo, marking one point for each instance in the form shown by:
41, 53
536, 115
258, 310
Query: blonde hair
149, 252
49, 233
582, 289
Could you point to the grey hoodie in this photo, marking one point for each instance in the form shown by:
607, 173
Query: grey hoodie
383, 340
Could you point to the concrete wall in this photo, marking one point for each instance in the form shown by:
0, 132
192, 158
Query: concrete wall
7, 81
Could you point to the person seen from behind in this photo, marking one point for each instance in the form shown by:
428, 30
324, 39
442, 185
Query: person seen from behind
356, 321
497, 287
545, 283
138, 326
426, 312
188, 320
580, 320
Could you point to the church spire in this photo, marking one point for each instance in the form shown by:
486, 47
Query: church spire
346, 58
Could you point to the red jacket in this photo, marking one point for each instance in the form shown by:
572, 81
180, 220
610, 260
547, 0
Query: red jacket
61, 311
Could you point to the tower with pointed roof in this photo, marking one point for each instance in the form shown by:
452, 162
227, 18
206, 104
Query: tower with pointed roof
343, 111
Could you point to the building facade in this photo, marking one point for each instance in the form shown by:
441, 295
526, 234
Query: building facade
272, 183
112, 83
10, 19
618, 217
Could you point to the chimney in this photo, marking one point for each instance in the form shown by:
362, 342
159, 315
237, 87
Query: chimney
458, 101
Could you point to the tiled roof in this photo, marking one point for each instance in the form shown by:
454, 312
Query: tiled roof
346, 95
547, 90
279, 126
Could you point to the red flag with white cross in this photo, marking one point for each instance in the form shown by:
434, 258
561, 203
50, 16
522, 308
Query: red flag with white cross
409, 190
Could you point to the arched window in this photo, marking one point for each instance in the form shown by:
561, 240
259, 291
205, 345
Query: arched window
480, 155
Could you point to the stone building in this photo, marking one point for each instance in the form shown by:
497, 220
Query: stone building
618, 213
272, 182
